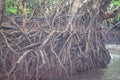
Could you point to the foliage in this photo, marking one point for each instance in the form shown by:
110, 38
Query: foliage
10, 7
35, 7
115, 4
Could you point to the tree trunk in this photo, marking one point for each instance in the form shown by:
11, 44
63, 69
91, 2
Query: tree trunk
1, 10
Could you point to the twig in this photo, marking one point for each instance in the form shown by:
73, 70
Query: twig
8, 45
21, 30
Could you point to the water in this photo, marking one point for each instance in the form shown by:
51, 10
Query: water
112, 72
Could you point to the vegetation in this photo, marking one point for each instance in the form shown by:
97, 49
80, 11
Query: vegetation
47, 6
52, 38
115, 4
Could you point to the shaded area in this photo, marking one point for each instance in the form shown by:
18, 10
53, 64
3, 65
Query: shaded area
112, 72
113, 34
44, 53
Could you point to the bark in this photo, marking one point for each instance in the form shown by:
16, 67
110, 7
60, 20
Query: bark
104, 14
103, 4
112, 14
1, 10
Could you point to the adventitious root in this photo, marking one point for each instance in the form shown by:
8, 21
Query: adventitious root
70, 46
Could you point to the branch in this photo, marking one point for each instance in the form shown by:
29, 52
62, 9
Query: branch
109, 15
103, 4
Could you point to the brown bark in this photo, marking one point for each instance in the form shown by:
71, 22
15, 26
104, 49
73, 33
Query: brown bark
1, 10
108, 15
103, 4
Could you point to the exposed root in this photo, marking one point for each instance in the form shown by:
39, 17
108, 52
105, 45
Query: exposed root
45, 52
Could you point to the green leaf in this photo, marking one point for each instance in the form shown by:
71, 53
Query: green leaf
27, 10
117, 3
12, 10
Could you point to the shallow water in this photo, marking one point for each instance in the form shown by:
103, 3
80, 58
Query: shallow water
112, 72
